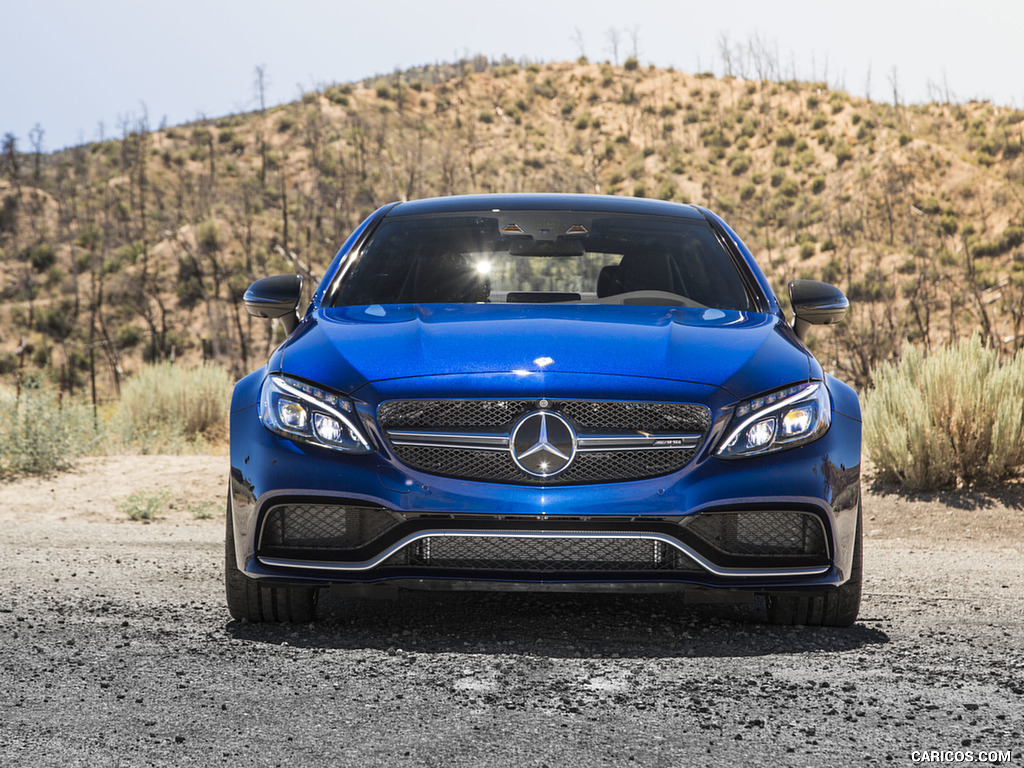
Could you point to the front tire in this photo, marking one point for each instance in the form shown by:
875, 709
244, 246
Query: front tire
249, 600
836, 608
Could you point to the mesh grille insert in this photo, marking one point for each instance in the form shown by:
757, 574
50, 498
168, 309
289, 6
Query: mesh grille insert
764, 533
325, 526
589, 415
542, 555
451, 414
647, 417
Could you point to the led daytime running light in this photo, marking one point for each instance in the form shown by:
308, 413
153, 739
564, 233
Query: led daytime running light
800, 414
760, 403
330, 420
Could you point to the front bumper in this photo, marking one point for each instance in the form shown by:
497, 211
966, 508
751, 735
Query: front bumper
647, 521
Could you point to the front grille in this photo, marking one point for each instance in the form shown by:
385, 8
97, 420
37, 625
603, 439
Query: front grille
451, 414
324, 526
595, 416
547, 555
765, 533
497, 417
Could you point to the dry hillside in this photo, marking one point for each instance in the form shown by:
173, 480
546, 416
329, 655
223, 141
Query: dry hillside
136, 249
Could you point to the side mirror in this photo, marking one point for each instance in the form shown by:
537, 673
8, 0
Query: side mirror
815, 303
276, 296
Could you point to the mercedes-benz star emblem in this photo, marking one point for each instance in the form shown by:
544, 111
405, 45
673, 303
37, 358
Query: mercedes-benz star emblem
543, 443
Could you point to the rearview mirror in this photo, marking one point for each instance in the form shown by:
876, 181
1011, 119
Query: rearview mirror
275, 296
815, 303
562, 246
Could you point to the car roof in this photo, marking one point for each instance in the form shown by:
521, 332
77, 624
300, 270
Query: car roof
545, 201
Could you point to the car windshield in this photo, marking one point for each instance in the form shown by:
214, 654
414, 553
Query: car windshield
545, 256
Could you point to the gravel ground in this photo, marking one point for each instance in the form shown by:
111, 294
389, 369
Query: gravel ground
118, 651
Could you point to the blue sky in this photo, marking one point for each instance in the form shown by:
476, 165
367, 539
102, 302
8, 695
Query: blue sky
71, 66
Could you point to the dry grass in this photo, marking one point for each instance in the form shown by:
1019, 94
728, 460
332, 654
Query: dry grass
169, 409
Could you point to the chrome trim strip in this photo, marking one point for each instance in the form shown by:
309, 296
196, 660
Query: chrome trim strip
480, 442
585, 443
656, 442
703, 562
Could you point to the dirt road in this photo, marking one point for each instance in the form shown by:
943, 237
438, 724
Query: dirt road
117, 651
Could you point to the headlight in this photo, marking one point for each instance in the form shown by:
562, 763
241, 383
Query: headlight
783, 419
300, 411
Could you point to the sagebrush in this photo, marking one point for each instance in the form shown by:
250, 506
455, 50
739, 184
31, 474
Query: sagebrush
169, 409
951, 418
40, 434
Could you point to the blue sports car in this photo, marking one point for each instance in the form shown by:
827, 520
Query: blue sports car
551, 393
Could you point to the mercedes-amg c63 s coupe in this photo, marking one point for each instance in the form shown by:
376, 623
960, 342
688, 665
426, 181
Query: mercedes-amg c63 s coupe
545, 392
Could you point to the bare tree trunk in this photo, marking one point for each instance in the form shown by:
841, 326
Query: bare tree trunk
261, 93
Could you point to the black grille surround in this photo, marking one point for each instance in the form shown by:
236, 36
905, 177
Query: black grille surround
425, 435
379, 543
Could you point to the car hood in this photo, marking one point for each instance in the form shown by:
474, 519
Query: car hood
744, 353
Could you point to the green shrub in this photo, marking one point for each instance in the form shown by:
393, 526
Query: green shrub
42, 257
843, 153
789, 188
202, 510
954, 417
39, 435
739, 163
169, 409
714, 136
338, 94
140, 505
128, 336
1010, 239
786, 138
